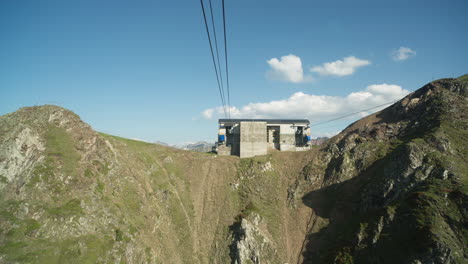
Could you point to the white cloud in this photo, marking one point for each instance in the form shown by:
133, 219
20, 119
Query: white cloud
288, 69
386, 89
208, 113
344, 67
317, 107
403, 53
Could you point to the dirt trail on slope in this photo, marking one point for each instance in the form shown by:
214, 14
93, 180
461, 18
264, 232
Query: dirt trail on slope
209, 187
187, 217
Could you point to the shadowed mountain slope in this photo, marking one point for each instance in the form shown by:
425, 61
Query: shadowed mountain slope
393, 189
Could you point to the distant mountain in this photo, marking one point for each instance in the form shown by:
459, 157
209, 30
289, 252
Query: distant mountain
162, 143
200, 146
318, 141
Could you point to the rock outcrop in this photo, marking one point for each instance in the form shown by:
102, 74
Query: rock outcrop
251, 244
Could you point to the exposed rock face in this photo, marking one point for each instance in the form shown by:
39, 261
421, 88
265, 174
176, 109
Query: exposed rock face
20, 154
391, 188
250, 244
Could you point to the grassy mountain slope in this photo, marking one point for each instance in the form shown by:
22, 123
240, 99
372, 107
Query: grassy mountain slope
391, 188
71, 194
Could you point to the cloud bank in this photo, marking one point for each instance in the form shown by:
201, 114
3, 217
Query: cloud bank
315, 107
403, 53
340, 68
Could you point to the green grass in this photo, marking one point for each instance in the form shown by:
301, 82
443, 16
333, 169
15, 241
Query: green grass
119, 236
70, 208
463, 78
7, 208
103, 168
131, 201
83, 249
249, 209
23, 228
100, 187
7, 216
21, 243
88, 173
60, 147
3, 179
453, 129
432, 212
343, 256
13, 250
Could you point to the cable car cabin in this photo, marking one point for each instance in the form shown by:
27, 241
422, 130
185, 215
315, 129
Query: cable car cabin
251, 137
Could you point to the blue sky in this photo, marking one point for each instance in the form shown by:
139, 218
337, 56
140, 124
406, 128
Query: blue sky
142, 69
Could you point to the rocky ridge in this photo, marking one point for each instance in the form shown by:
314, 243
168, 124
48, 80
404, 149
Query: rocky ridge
400, 175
